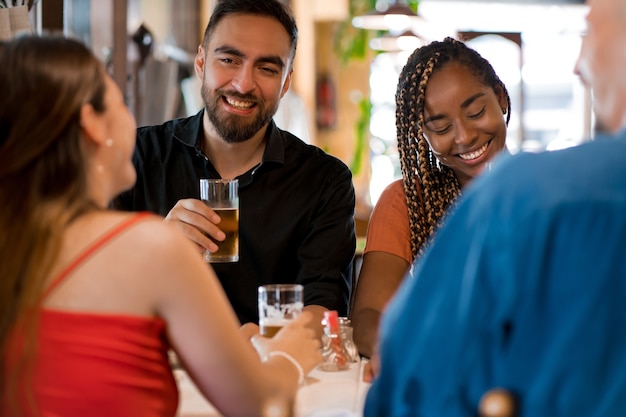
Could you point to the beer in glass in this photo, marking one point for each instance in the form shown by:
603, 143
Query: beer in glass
278, 305
223, 197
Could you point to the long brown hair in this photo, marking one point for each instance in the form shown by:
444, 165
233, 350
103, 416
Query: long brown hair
44, 82
437, 187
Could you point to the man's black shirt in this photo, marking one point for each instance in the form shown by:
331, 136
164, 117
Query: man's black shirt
296, 219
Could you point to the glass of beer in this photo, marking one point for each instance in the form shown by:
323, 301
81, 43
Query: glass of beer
278, 304
223, 197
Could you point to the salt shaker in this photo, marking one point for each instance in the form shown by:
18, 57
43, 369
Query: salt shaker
334, 352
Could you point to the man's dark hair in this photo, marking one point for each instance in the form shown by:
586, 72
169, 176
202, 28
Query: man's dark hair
271, 8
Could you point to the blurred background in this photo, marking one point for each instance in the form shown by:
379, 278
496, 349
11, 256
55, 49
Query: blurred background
350, 53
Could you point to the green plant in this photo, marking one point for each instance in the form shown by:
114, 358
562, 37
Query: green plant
351, 43
361, 128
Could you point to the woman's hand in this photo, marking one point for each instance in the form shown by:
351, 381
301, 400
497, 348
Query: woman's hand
297, 339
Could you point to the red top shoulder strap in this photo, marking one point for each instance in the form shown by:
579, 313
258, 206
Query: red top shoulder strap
90, 250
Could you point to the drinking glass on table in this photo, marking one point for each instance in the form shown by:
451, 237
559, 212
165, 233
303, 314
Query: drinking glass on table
223, 197
278, 304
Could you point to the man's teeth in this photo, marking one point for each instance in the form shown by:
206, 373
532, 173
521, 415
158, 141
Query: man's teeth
475, 154
241, 105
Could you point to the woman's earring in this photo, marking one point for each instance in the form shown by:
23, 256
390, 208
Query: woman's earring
503, 111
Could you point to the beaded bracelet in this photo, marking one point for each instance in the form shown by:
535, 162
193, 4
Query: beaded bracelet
290, 359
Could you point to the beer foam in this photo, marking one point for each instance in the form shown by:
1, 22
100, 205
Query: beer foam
274, 321
281, 311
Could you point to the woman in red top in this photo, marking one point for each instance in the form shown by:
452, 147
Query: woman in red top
91, 299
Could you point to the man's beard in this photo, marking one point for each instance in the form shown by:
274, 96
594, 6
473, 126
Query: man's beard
230, 127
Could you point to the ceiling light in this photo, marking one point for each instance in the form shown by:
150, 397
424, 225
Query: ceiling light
406, 41
396, 18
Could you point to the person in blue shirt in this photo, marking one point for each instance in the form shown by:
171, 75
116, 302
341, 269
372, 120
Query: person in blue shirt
524, 286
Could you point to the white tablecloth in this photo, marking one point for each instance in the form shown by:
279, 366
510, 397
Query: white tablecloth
324, 394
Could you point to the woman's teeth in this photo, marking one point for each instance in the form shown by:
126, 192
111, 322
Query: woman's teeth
473, 155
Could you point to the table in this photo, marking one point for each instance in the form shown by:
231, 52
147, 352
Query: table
324, 394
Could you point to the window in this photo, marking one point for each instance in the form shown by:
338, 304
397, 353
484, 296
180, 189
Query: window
550, 107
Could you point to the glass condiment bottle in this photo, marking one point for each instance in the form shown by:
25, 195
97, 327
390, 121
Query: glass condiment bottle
336, 357
345, 329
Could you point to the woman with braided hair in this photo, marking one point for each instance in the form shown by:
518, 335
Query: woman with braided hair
452, 112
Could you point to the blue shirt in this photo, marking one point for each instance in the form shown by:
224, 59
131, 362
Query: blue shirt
524, 288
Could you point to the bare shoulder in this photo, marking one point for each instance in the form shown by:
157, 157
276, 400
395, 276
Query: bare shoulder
160, 257
151, 237
142, 262
167, 268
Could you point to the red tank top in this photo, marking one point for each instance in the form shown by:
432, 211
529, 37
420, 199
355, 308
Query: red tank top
91, 364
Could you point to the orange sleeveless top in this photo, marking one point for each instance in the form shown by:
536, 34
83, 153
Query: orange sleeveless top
92, 364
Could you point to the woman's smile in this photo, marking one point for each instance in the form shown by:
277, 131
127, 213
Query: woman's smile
470, 156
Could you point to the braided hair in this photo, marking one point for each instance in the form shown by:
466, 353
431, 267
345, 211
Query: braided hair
437, 186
